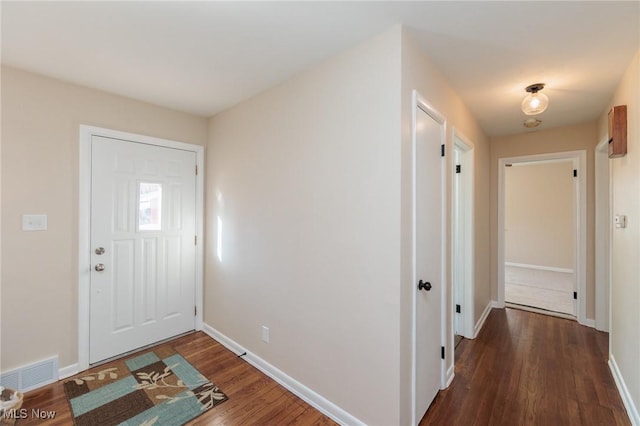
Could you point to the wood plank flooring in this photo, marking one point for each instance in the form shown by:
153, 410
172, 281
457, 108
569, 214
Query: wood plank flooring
523, 369
530, 369
254, 399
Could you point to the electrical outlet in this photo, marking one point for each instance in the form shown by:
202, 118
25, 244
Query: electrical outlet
265, 334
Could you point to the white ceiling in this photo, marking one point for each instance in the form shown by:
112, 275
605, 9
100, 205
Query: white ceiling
203, 57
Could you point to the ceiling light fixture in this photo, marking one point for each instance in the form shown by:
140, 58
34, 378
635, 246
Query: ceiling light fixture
535, 103
531, 122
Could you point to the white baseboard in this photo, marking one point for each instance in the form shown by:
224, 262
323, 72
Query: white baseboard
68, 371
314, 399
588, 322
541, 311
631, 408
497, 305
222, 339
482, 319
539, 267
450, 374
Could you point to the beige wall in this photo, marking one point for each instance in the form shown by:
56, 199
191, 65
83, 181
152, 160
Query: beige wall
40, 138
539, 214
625, 243
1, 210
419, 73
312, 182
570, 138
305, 178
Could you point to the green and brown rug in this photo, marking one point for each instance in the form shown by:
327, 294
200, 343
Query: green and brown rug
156, 388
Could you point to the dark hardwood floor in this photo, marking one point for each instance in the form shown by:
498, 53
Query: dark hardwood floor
254, 399
523, 369
530, 369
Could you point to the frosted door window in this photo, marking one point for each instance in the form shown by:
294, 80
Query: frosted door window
150, 207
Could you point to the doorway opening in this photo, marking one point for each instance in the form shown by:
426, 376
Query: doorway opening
542, 233
539, 234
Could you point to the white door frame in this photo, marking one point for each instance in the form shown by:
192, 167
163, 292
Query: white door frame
465, 238
419, 102
579, 159
603, 235
84, 225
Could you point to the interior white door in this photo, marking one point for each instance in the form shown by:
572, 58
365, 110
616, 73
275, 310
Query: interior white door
142, 245
429, 252
458, 242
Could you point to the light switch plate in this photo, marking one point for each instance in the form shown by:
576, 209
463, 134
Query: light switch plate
34, 222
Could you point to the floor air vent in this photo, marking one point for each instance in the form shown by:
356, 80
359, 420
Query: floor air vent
31, 376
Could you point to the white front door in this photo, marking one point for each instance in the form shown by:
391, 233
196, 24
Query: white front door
428, 260
143, 251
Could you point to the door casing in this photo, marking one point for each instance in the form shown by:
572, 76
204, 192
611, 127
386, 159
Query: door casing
604, 228
84, 226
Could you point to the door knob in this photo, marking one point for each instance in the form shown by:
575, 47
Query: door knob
100, 250
99, 267
424, 285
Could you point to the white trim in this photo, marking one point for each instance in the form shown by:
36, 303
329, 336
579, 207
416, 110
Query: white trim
419, 102
627, 399
68, 371
603, 226
223, 339
579, 159
539, 267
467, 238
450, 374
541, 311
588, 322
84, 225
495, 304
482, 319
311, 397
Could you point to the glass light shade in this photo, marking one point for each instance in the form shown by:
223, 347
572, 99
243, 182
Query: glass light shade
535, 103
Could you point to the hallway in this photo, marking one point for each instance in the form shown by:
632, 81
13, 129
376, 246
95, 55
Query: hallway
527, 368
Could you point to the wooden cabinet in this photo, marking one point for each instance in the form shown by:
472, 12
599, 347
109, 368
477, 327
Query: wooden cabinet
618, 131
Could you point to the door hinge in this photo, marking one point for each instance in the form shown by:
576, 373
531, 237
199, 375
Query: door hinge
196, 170
442, 352
575, 295
575, 173
195, 311
458, 168
195, 240
458, 309
442, 150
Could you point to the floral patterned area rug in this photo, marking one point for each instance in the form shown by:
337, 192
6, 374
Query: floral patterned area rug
156, 388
